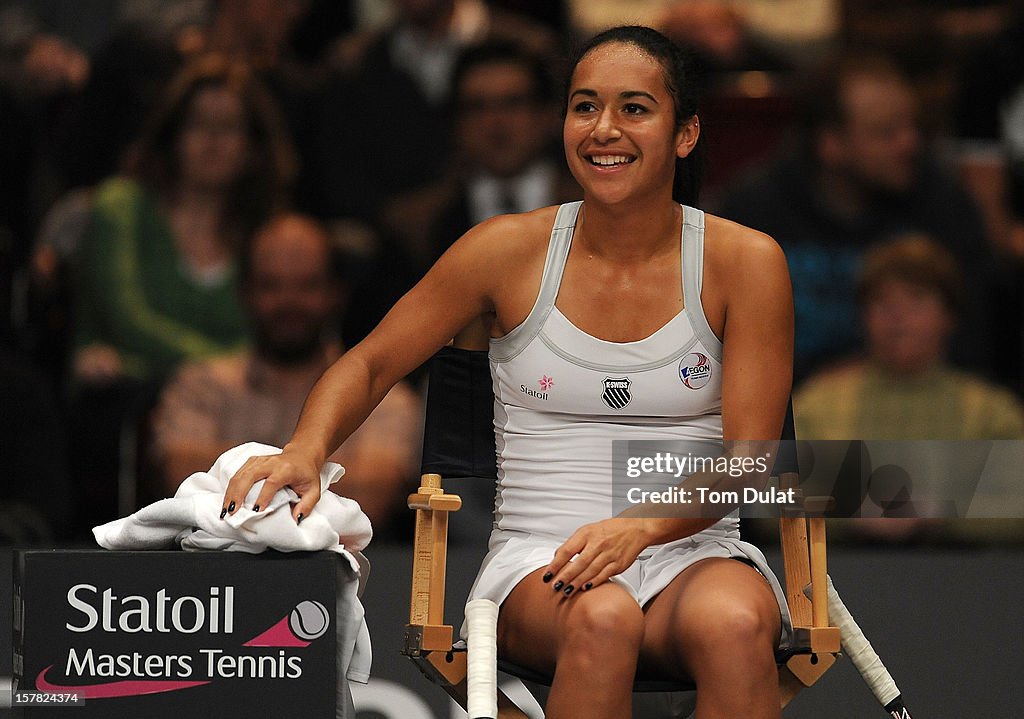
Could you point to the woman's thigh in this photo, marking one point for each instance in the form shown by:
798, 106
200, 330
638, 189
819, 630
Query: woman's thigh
717, 605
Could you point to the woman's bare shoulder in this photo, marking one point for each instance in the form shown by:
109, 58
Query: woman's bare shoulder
493, 259
511, 236
725, 235
731, 248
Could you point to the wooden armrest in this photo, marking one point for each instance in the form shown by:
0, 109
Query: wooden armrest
426, 630
804, 556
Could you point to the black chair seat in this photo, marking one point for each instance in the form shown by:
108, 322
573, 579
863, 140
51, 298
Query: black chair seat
642, 683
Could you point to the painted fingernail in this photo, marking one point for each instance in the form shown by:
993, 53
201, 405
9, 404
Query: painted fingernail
231, 507
587, 586
299, 519
223, 512
256, 508
547, 577
568, 590
558, 585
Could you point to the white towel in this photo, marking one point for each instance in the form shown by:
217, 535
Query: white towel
192, 517
192, 520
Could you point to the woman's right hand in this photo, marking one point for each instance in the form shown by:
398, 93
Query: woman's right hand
294, 467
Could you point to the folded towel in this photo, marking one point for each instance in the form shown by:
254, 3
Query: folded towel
192, 517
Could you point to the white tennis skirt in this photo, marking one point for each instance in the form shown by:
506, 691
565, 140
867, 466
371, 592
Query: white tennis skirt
513, 556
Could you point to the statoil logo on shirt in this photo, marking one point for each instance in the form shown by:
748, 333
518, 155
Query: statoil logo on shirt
695, 370
545, 383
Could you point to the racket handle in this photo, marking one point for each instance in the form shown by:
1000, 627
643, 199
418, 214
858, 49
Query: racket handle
864, 657
482, 659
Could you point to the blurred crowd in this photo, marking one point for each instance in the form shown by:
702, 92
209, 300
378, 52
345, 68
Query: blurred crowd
204, 202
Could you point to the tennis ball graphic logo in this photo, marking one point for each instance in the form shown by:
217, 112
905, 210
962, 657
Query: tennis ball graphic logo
309, 620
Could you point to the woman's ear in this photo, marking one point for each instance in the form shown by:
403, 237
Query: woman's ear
687, 136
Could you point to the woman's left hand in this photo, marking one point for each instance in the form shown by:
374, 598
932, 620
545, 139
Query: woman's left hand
595, 553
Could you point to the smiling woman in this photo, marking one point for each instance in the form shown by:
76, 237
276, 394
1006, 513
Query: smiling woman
593, 338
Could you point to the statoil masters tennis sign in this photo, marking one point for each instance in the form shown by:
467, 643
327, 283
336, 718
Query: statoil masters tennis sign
156, 634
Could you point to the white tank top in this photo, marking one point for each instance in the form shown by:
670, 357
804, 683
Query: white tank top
562, 396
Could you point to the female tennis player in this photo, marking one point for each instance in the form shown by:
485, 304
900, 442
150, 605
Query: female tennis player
626, 316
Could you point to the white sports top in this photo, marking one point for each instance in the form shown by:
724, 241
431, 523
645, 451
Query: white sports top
562, 396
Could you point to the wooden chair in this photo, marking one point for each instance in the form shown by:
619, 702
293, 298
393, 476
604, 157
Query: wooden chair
459, 443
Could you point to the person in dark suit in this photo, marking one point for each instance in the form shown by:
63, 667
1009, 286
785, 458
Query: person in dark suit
383, 125
506, 158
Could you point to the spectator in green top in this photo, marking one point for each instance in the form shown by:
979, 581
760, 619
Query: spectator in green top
156, 279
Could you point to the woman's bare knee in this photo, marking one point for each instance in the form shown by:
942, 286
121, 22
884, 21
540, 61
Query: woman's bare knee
739, 623
601, 619
718, 607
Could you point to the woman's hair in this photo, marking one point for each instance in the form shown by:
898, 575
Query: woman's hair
914, 259
263, 184
680, 80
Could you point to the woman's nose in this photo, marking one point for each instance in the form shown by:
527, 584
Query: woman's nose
606, 129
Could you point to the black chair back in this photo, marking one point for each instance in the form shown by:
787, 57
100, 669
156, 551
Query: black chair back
786, 461
458, 433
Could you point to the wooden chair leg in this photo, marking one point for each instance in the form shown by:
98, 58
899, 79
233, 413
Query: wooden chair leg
789, 686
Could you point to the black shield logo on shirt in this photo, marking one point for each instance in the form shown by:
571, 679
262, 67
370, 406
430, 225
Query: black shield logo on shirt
616, 392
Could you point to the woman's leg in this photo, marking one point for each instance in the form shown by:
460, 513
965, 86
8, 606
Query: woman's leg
590, 640
718, 622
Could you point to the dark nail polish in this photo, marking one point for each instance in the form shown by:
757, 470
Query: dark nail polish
568, 590
223, 512
587, 586
300, 518
558, 585
231, 507
256, 508
547, 577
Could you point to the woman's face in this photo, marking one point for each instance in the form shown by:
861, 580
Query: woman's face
621, 140
213, 146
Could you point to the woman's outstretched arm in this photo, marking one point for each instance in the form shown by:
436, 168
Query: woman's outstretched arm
457, 289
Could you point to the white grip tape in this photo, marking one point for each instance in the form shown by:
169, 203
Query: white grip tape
482, 659
859, 649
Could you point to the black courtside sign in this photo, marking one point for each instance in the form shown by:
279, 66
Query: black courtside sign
173, 634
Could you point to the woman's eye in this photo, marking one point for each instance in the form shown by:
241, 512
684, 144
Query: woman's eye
633, 108
585, 106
